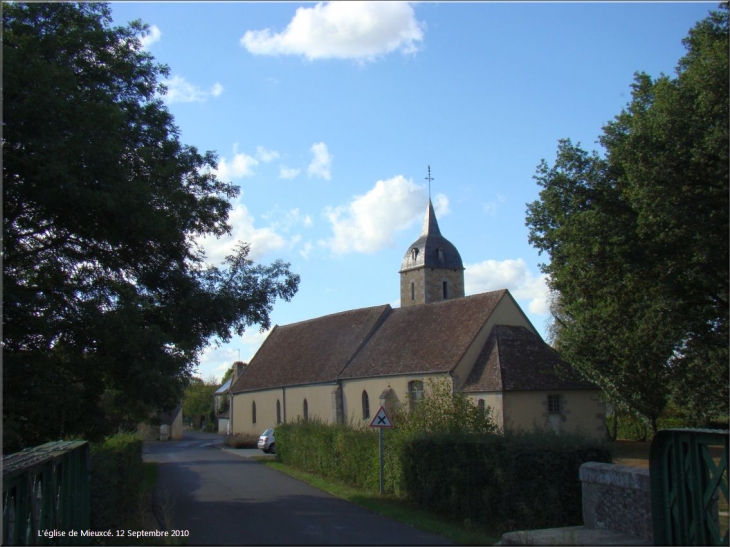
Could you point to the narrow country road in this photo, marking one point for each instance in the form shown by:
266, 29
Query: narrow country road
222, 498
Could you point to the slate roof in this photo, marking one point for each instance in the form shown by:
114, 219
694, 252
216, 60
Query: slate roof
312, 351
427, 247
515, 359
424, 338
221, 390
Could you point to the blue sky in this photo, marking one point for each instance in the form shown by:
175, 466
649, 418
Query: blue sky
327, 116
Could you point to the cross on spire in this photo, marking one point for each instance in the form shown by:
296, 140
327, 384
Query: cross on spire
429, 179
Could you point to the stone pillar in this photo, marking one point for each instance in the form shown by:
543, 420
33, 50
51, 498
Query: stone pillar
617, 497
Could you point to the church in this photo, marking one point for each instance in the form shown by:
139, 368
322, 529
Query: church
342, 367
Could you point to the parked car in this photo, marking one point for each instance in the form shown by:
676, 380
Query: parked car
267, 442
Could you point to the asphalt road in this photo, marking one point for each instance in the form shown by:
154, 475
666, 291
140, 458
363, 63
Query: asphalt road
222, 498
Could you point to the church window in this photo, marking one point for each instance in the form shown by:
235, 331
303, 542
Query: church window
415, 392
253, 412
306, 410
278, 412
414, 254
413, 290
440, 256
445, 292
553, 404
365, 405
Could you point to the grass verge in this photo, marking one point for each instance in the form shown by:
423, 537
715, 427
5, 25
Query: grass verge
461, 532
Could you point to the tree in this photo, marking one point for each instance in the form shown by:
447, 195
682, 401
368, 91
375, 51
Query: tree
638, 239
443, 410
198, 397
108, 300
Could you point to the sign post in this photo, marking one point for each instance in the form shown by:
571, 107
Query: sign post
381, 421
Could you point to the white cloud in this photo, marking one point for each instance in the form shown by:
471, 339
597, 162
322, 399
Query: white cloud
514, 275
154, 35
261, 240
216, 90
321, 163
266, 155
306, 250
288, 172
180, 90
284, 221
490, 207
440, 205
240, 166
217, 360
342, 30
369, 222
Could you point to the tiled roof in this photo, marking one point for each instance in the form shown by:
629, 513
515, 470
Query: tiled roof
424, 338
515, 359
311, 351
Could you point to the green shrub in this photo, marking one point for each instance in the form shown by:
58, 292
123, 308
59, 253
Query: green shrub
117, 472
330, 450
523, 480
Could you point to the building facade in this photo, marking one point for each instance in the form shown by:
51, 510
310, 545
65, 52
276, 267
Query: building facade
342, 367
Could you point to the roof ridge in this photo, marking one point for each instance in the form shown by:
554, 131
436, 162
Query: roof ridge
334, 314
473, 338
376, 325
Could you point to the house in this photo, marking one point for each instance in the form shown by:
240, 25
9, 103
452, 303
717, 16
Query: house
221, 406
342, 367
222, 399
171, 422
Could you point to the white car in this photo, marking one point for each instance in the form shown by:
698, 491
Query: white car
267, 442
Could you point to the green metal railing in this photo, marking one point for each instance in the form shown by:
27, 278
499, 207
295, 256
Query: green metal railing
46, 495
685, 486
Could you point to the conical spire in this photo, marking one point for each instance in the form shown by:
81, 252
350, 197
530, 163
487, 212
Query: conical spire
430, 224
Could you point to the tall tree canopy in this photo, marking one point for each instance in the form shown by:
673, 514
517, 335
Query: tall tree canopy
107, 298
638, 239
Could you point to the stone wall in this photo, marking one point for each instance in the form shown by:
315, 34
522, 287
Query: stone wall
428, 285
617, 497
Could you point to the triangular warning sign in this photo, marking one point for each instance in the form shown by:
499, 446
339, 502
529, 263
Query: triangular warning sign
381, 419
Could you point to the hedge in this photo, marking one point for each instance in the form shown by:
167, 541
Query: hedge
514, 481
117, 473
334, 451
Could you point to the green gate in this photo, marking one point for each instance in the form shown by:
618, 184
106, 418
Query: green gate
686, 484
46, 495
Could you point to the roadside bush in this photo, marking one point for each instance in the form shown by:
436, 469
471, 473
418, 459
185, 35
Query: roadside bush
330, 450
117, 472
241, 440
519, 480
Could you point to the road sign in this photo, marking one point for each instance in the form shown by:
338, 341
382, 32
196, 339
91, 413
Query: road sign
381, 419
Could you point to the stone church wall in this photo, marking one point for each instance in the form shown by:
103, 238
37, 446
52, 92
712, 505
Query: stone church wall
580, 410
428, 285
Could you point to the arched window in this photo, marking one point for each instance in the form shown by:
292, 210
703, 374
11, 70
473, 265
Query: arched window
415, 392
306, 410
278, 412
440, 256
414, 254
365, 405
253, 412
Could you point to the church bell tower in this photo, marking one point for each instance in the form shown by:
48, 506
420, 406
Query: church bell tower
431, 270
